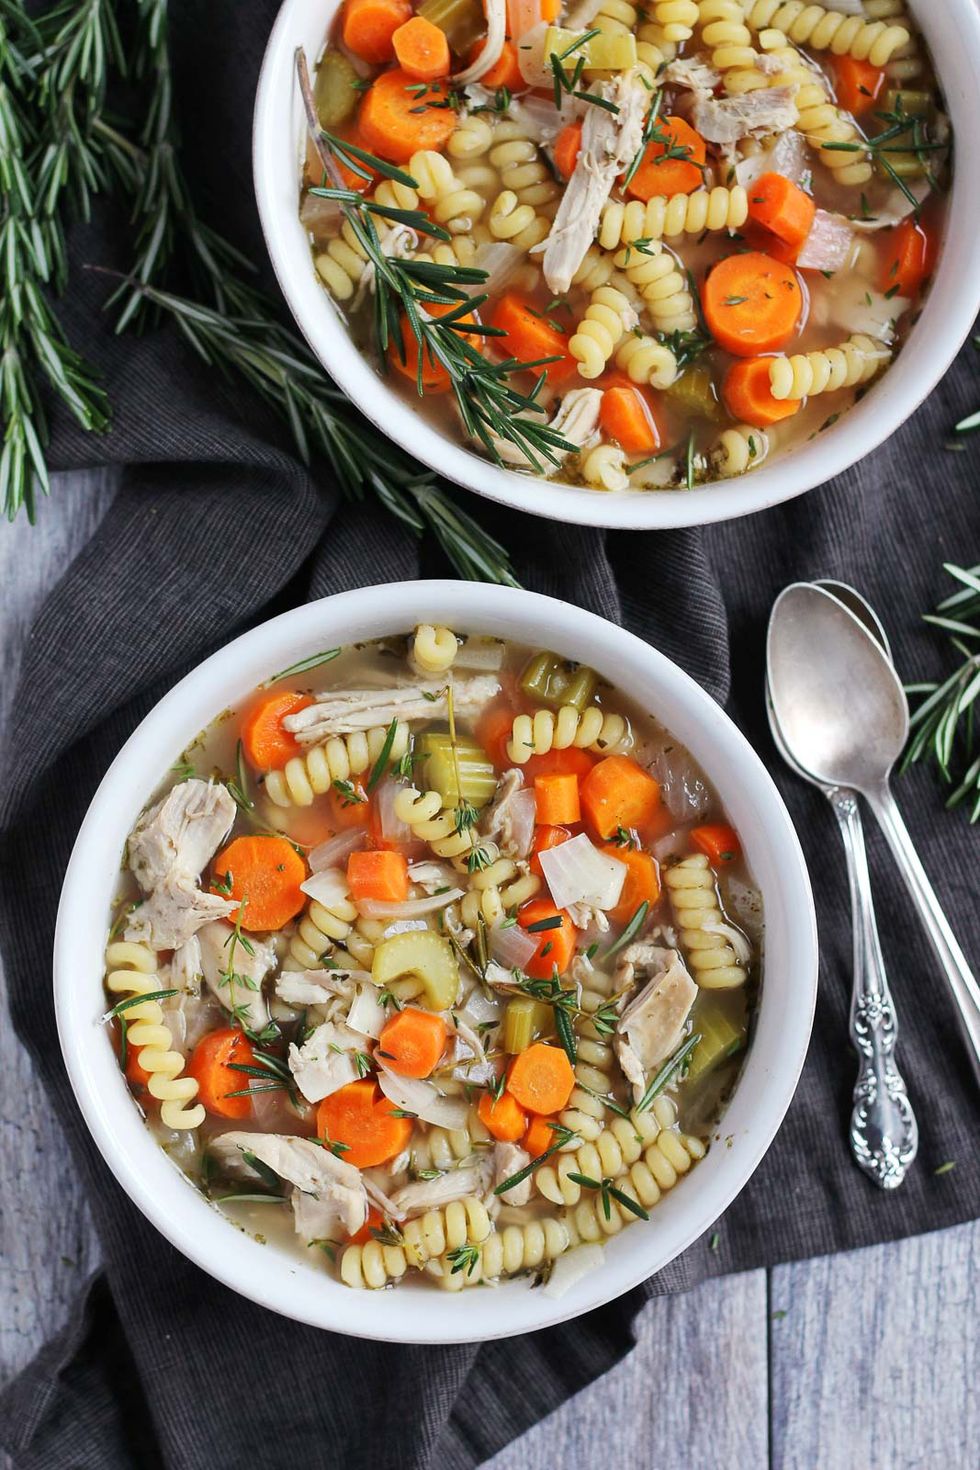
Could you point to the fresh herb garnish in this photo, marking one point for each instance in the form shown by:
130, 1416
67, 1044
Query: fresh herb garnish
313, 661
670, 1066
608, 1191
563, 1137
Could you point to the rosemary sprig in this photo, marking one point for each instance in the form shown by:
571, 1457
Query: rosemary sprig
608, 1190
670, 1066
563, 1136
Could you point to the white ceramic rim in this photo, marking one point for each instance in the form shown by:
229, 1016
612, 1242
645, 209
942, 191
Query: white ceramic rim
270, 1276
953, 34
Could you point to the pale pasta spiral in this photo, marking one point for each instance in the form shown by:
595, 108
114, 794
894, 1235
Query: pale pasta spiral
460, 250
594, 340
724, 32
343, 266
424, 813
604, 468
645, 1182
496, 889
588, 729
434, 649
829, 30
645, 360
374, 1264
506, 1252
132, 970
739, 448
521, 167
516, 223
679, 214
653, 271
333, 932
707, 939
613, 1150
807, 373
472, 137
586, 1110
309, 775
821, 121
906, 61
596, 270
449, 202
444, 1148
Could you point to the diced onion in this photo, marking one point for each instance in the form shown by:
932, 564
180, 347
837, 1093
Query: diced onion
530, 58
682, 789
422, 1099
568, 1269
412, 908
329, 886
788, 156
367, 1015
511, 946
476, 652
496, 13
500, 261
522, 811
828, 245
577, 872
393, 829
336, 850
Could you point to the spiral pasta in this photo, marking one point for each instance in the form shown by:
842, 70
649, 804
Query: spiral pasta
604, 468
333, 931
496, 889
653, 271
705, 936
460, 250
613, 1150
739, 448
506, 1252
807, 373
309, 775
906, 61
343, 266
724, 31
679, 214
610, 313
521, 167
645, 1182
516, 223
374, 1264
450, 203
472, 137
424, 813
434, 649
828, 30
444, 1148
821, 121
133, 971
588, 729
645, 360
595, 270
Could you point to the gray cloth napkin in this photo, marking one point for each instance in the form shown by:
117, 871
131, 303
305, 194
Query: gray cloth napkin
217, 526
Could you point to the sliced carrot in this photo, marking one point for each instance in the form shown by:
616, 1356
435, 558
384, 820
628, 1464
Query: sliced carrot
267, 745
909, 259
374, 1221
493, 731
545, 838
421, 49
858, 84
718, 842
394, 123
213, 1065
554, 933
781, 207
369, 27
413, 1041
662, 171
550, 9
364, 1122
348, 805
752, 303
540, 1134
556, 800
642, 883
748, 395
541, 1078
502, 1117
266, 872
435, 378
316, 174
530, 338
625, 417
571, 760
568, 146
756, 238
505, 72
379, 876
618, 793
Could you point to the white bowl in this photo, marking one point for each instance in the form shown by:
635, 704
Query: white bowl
418, 1311
952, 31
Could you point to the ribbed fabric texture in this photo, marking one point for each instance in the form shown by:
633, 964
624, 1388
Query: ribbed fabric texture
217, 526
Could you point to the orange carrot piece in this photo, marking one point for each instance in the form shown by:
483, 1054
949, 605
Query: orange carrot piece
374, 1221
858, 84
369, 27
550, 9
642, 883
412, 1042
348, 806
316, 174
435, 378
556, 800
756, 238
568, 146
540, 1135
618, 793
718, 842
493, 732
751, 303
541, 1078
266, 872
266, 744
530, 338
391, 124
545, 838
661, 172
748, 395
360, 1117
381, 876
505, 72
571, 759
211, 1067
136, 1075
625, 417
421, 49
502, 1117
909, 259
555, 941
781, 207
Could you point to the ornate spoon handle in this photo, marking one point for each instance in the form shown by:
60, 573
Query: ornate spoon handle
884, 1135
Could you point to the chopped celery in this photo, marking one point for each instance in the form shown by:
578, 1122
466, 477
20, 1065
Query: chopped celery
911, 104
721, 1037
907, 164
524, 1019
462, 21
694, 393
335, 90
477, 778
424, 953
615, 52
555, 681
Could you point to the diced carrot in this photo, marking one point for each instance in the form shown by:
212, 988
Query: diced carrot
530, 338
718, 842
909, 259
364, 1122
642, 883
266, 872
858, 84
266, 744
502, 1117
781, 207
748, 395
540, 1134
435, 378
545, 838
374, 1221
751, 303
505, 72
136, 1075
213, 1065
541, 1078
568, 146
379, 876
394, 123
756, 238
421, 49
556, 800
316, 174
348, 805
413, 1041
550, 9
553, 931
618, 793
625, 417
571, 760
673, 162
493, 730
369, 27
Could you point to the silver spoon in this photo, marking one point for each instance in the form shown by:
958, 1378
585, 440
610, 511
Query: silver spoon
843, 713
883, 1133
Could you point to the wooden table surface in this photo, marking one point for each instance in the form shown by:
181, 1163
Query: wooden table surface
866, 1361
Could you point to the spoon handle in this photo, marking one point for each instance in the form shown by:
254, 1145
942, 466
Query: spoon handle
962, 982
884, 1135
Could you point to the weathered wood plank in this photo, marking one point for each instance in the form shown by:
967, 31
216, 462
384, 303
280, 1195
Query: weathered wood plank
876, 1360
46, 1241
692, 1394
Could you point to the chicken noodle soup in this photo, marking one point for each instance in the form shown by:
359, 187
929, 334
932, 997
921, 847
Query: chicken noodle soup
626, 247
434, 956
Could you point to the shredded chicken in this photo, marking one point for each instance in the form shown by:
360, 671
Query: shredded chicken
431, 876
168, 849
505, 820
789, 156
651, 1026
431, 1194
315, 987
510, 1159
749, 115
326, 1061
343, 711
319, 1178
691, 75
174, 912
586, 915
576, 419
235, 976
